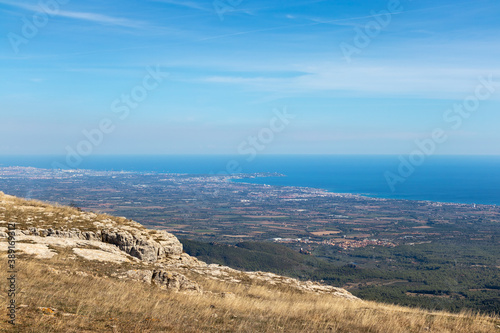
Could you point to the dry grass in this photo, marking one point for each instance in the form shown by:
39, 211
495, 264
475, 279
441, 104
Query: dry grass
98, 304
34, 213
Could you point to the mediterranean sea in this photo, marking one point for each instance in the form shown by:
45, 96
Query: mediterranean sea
456, 179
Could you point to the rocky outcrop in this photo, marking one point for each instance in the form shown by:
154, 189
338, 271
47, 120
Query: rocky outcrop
303, 286
143, 247
99, 255
170, 244
173, 280
137, 246
164, 279
42, 230
43, 247
230, 275
162, 251
40, 251
163, 246
72, 233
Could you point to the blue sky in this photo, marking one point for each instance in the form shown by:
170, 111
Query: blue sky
229, 71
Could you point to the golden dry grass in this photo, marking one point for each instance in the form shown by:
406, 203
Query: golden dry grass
98, 304
34, 213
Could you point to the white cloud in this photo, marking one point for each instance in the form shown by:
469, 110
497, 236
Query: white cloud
86, 16
371, 80
187, 4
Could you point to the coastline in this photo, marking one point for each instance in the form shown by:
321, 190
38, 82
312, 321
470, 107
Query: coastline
241, 178
367, 197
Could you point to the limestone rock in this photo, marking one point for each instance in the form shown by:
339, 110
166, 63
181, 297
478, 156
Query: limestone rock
185, 260
40, 251
99, 255
170, 244
143, 247
72, 233
163, 246
139, 275
29, 243
136, 247
174, 281
166, 280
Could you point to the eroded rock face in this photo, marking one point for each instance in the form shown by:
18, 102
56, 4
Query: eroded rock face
170, 244
174, 281
164, 279
139, 247
41, 251
99, 255
163, 246
119, 240
143, 247
73, 233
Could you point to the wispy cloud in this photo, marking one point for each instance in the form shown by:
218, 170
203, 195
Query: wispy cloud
85, 16
187, 4
419, 81
354, 21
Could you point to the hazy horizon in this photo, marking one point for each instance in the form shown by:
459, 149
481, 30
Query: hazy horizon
191, 77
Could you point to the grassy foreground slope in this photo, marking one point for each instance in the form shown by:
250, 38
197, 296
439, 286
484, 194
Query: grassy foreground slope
68, 293
73, 303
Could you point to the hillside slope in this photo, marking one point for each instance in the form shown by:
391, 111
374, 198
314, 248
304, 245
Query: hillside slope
83, 272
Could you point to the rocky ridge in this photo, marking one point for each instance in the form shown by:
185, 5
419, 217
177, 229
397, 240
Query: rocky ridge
156, 257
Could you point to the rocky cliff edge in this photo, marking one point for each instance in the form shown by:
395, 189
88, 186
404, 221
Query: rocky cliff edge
44, 231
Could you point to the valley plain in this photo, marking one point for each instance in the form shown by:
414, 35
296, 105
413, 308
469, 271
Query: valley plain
424, 254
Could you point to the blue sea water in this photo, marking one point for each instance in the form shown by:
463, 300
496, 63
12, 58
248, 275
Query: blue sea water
459, 179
